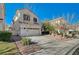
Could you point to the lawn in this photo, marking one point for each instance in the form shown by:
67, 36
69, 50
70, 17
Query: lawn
7, 48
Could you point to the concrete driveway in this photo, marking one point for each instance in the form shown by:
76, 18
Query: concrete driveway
52, 46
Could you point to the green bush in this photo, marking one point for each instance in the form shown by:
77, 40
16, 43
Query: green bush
5, 36
26, 41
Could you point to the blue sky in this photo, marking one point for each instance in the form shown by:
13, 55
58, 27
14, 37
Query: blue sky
45, 11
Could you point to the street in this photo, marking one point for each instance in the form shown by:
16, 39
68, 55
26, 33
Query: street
51, 46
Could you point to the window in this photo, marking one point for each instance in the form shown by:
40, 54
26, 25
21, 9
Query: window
35, 20
24, 28
1, 19
26, 17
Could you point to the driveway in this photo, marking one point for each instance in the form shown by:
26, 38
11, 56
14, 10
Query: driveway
53, 46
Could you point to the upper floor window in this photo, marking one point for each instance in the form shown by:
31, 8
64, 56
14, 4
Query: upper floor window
1, 19
26, 17
35, 20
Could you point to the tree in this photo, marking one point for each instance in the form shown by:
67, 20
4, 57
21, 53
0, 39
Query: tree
48, 27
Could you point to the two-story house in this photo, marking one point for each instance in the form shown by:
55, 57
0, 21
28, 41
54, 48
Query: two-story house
26, 23
60, 24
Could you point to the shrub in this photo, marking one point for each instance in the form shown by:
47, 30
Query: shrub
26, 41
61, 33
5, 36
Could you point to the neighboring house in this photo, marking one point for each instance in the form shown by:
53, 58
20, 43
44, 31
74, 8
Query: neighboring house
26, 23
77, 27
2, 23
59, 23
7, 28
72, 27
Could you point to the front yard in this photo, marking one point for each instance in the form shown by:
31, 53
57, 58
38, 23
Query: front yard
7, 48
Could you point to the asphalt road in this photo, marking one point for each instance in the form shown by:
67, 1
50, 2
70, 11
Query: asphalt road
52, 46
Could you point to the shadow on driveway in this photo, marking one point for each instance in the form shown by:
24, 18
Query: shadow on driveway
15, 38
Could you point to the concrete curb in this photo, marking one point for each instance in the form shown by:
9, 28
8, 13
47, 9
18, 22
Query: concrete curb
71, 51
67, 50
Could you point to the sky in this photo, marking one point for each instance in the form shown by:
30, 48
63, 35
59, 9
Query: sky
45, 11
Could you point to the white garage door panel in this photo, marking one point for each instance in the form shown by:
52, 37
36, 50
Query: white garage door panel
23, 32
28, 32
33, 32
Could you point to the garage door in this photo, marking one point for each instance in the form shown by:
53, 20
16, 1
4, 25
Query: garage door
33, 32
29, 32
23, 32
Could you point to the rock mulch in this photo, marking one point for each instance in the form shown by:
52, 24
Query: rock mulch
28, 48
31, 48
59, 37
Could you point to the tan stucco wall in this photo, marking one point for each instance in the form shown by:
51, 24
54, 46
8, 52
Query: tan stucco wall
30, 27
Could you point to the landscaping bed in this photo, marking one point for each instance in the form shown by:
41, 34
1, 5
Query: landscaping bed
31, 48
26, 46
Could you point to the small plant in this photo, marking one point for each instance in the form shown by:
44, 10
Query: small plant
26, 41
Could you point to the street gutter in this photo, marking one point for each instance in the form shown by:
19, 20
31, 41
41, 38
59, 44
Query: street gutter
71, 51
